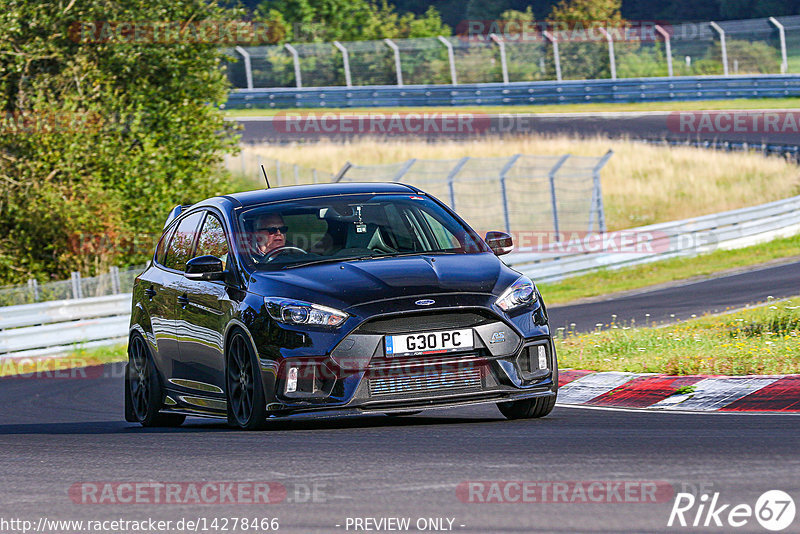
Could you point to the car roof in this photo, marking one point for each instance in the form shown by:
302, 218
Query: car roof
276, 194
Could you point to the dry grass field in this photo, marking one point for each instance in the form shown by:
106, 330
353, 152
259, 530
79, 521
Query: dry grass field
642, 184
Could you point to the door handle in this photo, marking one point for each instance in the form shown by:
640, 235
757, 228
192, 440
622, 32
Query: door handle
150, 292
183, 300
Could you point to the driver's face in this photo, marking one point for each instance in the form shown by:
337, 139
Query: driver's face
269, 233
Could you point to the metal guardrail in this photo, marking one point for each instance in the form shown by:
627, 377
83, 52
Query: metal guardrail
517, 93
730, 229
48, 328
42, 329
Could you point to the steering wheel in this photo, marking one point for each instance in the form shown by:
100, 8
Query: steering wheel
272, 254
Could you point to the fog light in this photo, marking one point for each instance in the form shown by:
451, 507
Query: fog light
291, 380
542, 357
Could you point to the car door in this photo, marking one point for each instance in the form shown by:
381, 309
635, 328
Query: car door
164, 294
204, 309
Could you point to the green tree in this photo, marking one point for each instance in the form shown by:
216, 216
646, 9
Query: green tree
584, 58
350, 20
103, 131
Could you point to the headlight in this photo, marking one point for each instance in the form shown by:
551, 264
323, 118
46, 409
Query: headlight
520, 293
298, 312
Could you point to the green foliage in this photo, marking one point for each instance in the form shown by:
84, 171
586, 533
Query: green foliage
101, 138
348, 20
586, 59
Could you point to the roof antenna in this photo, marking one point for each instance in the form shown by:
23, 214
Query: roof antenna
265, 175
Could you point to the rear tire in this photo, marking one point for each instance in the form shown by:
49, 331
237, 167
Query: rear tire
144, 397
247, 408
527, 409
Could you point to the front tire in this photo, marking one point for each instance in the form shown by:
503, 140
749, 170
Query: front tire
247, 408
143, 392
527, 409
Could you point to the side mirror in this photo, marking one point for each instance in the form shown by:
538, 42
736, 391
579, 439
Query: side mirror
205, 268
500, 242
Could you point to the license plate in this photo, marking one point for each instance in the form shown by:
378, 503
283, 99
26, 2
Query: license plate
429, 343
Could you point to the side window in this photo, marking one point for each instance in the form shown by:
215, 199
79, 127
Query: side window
445, 239
180, 247
161, 250
212, 239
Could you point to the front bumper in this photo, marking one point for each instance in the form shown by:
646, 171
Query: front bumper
358, 375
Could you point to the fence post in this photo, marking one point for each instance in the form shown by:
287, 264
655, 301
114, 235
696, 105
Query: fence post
721, 33
503, 192
597, 193
296, 175
503, 64
391, 44
115, 285
248, 68
782, 34
553, 199
451, 178
665, 35
314, 175
77, 292
339, 175
612, 61
296, 60
451, 58
404, 169
278, 172
550, 37
33, 285
346, 60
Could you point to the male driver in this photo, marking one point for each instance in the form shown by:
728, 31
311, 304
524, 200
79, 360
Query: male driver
270, 233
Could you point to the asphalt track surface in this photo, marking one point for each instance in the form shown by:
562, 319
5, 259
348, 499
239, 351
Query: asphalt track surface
656, 125
58, 432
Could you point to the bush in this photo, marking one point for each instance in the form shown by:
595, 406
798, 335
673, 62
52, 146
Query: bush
101, 138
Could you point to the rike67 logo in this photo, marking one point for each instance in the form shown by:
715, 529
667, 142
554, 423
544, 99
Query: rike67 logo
774, 510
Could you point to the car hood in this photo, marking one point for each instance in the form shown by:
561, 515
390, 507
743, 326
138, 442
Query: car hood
351, 283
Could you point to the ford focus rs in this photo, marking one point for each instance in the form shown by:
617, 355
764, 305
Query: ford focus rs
354, 297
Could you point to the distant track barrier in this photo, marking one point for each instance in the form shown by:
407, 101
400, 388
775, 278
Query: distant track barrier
522, 93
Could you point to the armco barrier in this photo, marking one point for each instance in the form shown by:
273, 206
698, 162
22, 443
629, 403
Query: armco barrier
730, 229
33, 330
47, 328
518, 93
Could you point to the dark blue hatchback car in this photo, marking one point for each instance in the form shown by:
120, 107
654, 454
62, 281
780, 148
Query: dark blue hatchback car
362, 297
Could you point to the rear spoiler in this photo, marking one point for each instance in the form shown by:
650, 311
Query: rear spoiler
175, 213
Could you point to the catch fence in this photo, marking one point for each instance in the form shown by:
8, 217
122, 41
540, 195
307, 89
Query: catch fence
536, 53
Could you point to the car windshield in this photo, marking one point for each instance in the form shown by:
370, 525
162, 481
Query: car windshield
349, 228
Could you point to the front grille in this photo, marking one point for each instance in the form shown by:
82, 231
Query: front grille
419, 322
435, 380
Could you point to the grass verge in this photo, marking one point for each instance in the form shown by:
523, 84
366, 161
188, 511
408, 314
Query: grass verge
602, 283
763, 340
741, 103
56, 367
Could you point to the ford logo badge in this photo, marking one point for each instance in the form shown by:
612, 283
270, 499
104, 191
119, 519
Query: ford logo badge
425, 302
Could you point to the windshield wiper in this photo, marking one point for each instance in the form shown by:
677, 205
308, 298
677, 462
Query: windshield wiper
324, 260
370, 257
